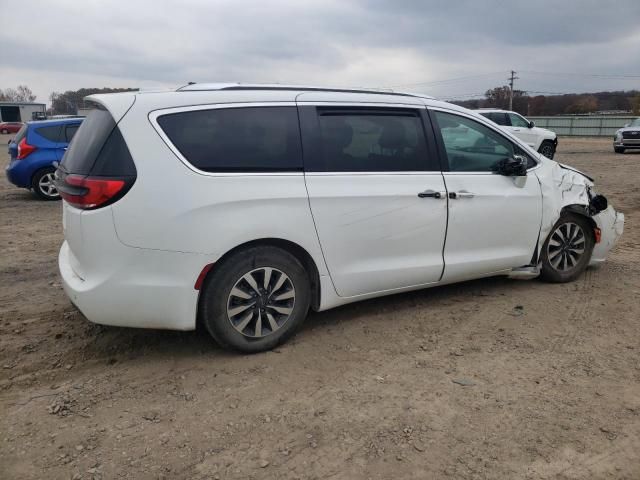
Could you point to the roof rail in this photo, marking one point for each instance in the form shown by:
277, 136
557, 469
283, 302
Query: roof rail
196, 87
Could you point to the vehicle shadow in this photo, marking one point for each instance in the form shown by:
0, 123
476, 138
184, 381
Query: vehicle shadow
117, 344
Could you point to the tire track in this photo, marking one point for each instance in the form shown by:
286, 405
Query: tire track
580, 309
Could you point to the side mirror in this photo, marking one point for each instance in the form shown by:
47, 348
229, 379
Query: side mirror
515, 166
531, 124
626, 125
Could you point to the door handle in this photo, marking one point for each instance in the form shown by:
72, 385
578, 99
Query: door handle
461, 194
430, 194
516, 129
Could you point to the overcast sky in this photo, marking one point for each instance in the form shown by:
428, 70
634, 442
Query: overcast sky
555, 46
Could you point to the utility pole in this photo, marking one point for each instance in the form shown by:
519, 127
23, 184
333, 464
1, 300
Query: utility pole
511, 80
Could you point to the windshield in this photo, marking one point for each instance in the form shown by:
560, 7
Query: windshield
635, 123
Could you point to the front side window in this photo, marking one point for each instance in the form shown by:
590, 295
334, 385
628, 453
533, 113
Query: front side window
469, 145
498, 117
237, 139
518, 121
372, 141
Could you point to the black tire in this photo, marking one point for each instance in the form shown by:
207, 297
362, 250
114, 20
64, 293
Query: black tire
548, 149
216, 299
618, 149
556, 274
40, 184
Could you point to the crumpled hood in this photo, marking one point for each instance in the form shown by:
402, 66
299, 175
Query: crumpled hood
567, 167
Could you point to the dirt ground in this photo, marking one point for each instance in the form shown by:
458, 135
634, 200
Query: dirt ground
550, 375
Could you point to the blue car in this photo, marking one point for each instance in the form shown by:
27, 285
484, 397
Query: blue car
34, 150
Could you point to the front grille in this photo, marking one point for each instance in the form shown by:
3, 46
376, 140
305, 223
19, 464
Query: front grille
633, 134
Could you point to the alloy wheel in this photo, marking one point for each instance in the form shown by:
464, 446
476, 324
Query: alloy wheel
47, 186
566, 246
261, 302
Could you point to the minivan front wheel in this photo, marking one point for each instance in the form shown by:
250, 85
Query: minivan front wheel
43, 185
255, 299
567, 250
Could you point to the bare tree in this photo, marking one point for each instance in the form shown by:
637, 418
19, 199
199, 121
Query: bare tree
20, 94
25, 94
635, 105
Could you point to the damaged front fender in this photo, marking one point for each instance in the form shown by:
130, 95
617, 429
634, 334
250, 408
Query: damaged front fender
566, 189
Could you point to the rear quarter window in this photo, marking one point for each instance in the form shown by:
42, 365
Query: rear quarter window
51, 133
246, 139
98, 148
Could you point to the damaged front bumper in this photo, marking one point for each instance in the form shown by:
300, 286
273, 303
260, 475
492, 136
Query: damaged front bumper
611, 225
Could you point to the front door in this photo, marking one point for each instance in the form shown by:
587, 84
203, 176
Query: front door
520, 128
493, 223
377, 196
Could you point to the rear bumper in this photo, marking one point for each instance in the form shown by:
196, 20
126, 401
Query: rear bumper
140, 288
19, 173
611, 224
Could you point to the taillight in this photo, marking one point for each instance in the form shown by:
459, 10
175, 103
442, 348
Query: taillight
90, 192
24, 149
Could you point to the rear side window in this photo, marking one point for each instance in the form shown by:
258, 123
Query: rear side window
372, 141
70, 131
51, 133
98, 148
237, 139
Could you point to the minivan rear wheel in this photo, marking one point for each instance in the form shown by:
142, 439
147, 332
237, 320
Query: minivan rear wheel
43, 185
255, 299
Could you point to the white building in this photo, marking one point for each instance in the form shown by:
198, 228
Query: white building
21, 111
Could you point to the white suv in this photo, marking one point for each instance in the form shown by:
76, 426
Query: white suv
540, 139
241, 207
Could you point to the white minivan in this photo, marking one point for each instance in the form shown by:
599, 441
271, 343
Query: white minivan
240, 207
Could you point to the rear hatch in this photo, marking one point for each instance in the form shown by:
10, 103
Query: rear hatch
13, 145
96, 171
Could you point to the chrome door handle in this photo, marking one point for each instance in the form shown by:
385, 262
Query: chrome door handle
430, 194
461, 194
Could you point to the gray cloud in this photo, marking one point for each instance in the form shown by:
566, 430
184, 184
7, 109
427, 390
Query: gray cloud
70, 44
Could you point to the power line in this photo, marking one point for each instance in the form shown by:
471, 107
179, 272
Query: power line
464, 95
594, 75
445, 81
